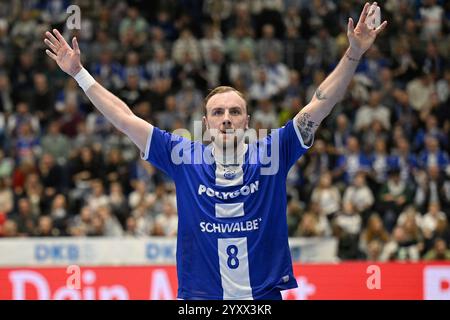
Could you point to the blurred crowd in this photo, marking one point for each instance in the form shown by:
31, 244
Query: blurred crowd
377, 177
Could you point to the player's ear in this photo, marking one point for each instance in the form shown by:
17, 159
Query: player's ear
205, 122
247, 122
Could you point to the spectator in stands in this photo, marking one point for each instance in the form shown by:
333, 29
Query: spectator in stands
166, 222
433, 155
9, 229
45, 228
374, 110
431, 218
327, 196
186, 45
118, 202
352, 161
420, 90
277, 72
111, 225
439, 252
347, 228
319, 162
97, 197
359, 194
55, 144
402, 159
24, 218
394, 195
265, 116
374, 231
399, 248
243, 68
308, 226
432, 187
262, 88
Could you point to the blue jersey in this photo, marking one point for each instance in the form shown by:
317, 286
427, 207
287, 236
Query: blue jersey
232, 229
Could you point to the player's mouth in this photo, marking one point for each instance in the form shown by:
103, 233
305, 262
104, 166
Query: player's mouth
227, 131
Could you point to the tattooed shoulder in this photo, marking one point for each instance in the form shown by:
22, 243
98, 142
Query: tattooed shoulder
320, 95
306, 126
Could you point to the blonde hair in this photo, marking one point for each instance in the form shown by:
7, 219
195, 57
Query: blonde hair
221, 89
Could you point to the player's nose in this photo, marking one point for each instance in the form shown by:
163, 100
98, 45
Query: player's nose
226, 123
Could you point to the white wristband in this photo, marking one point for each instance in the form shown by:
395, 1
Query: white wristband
84, 79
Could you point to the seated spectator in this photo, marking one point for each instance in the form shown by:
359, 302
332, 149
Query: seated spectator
327, 196
166, 222
262, 88
439, 252
374, 110
420, 90
118, 203
380, 164
351, 162
243, 68
403, 159
374, 231
349, 220
394, 195
265, 116
277, 72
432, 186
111, 225
9, 229
359, 194
433, 155
431, 218
374, 250
24, 218
52, 175
308, 226
400, 248
45, 228
55, 143
21, 116
97, 197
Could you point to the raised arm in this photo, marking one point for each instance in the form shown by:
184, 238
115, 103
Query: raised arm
114, 109
333, 88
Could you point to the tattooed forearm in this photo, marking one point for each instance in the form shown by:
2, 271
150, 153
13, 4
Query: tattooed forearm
306, 126
320, 95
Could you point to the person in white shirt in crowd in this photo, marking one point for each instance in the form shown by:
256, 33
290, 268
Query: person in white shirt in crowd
265, 116
419, 91
262, 88
374, 110
327, 196
359, 194
97, 198
277, 72
166, 222
431, 218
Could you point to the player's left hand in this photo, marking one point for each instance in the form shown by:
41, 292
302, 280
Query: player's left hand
361, 37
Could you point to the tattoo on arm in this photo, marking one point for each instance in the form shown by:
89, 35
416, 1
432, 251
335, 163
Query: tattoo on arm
306, 126
320, 95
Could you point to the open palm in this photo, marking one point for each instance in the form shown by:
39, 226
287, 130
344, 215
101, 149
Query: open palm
361, 37
68, 59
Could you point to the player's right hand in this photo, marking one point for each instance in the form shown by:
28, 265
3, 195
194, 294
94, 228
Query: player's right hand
68, 59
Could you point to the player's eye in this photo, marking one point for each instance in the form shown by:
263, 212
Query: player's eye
235, 112
217, 112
